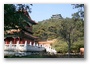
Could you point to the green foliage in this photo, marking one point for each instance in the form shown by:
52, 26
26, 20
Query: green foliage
80, 11
71, 30
77, 45
14, 19
47, 29
60, 46
67, 31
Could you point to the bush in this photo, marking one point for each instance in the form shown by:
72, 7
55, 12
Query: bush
60, 46
77, 45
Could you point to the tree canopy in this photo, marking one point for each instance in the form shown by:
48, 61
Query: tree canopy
12, 17
65, 30
80, 12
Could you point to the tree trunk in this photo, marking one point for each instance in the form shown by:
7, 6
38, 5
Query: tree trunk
69, 49
69, 46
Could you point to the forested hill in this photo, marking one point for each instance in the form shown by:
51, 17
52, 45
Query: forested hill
47, 29
59, 28
68, 32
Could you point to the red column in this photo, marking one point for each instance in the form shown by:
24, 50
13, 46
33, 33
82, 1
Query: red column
19, 39
21, 42
28, 42
14, 41
32, 43
7, 41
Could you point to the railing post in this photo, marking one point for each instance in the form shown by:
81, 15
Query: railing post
10, 45
25, 46
17, 46
30, 43
34, 44
25, 43
37, 44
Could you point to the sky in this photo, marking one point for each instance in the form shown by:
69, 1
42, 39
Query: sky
45, 11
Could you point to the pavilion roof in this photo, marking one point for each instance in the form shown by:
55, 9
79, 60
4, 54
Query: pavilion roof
21, 34
28, 16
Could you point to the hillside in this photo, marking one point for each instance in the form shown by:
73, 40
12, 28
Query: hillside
67, 31
47, 29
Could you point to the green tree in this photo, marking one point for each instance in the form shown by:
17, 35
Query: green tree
13, 16
70, 31
80, 11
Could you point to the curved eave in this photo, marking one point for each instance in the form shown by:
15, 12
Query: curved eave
30, 36
27, 30
32, 21
11, 35
26, 15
